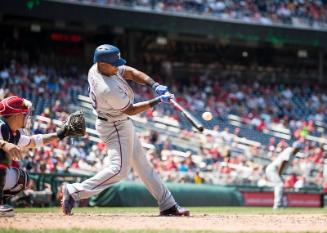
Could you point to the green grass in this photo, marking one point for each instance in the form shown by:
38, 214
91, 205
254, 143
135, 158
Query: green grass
194, 210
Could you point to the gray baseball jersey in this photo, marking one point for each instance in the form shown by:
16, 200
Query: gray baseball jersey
110, 96
285, 155
274, 177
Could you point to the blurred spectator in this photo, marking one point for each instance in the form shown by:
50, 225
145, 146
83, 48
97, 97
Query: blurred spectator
182, 167
290, 181
300, 183
198, 179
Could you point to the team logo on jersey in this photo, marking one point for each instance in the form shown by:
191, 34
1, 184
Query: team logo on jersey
122, 92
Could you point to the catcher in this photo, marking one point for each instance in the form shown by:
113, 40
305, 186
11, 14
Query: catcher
15, 113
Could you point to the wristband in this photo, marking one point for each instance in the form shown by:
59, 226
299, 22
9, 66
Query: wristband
149, 81
61, 134
38, 139
154, 101
154, 85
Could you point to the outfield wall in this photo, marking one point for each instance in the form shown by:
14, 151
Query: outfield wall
290, 199
135, 194
128, 193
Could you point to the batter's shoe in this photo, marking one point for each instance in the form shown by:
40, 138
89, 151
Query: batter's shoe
6, 211
176, 210
67, 201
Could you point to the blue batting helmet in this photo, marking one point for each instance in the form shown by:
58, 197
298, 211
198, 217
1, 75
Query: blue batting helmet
109, 54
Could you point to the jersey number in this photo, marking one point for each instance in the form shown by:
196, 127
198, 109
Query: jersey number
93, 99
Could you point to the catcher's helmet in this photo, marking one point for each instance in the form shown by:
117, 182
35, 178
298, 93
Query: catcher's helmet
109, 54
14, 105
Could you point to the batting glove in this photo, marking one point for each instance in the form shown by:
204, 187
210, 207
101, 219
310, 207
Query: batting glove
159, 89
166, 97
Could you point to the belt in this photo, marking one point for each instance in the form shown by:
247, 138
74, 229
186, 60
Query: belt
103, 119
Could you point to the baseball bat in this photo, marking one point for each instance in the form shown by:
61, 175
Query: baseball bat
195, 122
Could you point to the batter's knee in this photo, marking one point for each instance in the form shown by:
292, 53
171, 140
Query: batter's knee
123, 173
119, 172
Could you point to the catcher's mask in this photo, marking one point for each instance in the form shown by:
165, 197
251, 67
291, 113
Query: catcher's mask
14, 105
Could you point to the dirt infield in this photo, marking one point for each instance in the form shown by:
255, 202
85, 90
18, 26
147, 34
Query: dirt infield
211, 222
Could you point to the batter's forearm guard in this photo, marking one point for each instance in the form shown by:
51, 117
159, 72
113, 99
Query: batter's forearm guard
155, 85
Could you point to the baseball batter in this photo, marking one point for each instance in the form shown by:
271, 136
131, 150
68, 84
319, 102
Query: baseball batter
275, 169
113, 100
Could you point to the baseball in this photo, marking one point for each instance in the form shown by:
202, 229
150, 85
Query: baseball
207, 116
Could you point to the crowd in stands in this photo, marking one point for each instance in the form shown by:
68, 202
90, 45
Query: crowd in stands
300, 13
217, 157
258, 104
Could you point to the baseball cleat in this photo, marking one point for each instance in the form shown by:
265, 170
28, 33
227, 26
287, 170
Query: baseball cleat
6, 211
67, 201
176, 210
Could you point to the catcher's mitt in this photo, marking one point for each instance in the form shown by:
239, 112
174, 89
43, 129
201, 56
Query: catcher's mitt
74, 126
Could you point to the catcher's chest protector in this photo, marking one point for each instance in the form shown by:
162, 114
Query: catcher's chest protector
6, 134
9, 136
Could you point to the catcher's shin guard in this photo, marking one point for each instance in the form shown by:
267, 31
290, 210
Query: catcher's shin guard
3, 171
21, 183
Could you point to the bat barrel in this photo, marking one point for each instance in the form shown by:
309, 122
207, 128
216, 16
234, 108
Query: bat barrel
195, 122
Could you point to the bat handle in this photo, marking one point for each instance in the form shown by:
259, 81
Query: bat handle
173, 102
